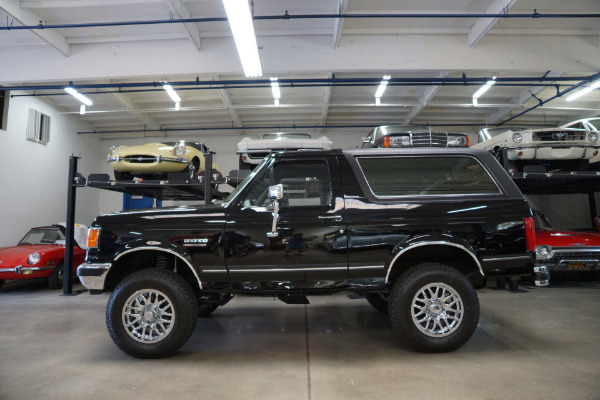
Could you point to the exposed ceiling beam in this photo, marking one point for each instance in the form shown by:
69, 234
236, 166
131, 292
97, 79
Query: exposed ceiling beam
228, 104
182, 12
523, 97
80, 4
483, 25
338, 24
326, 102
428, 94
27, 17
135, 110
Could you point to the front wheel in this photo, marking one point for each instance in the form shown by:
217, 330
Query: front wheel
55, 280
433, 308
151, 313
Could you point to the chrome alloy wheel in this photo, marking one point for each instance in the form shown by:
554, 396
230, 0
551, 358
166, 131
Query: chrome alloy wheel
437, 310
148, 316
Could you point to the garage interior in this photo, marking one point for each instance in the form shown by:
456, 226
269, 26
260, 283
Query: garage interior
327, 59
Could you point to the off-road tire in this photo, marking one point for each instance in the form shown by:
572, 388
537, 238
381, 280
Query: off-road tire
152, 313
433, 308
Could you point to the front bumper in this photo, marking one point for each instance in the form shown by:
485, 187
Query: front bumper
21, 272
550, 152
148, 163
92, 276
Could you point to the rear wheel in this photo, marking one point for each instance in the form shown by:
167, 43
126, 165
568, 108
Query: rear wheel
379, 301
433, 308
151, 313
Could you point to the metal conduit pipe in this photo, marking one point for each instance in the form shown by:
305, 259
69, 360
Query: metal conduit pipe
278, 128
534, 15
268, 87
542, 102
225, 84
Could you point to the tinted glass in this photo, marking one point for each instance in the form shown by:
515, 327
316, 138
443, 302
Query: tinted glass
426, 176
304, 184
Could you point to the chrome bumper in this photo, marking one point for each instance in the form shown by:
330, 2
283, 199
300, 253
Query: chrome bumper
92, 276
158, 159
19, 269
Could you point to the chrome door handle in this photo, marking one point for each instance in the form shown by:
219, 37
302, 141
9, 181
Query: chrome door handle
336, 218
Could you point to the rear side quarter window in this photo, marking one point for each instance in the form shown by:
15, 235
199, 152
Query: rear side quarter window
426, 176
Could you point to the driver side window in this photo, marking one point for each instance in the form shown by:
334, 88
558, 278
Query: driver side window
305, 183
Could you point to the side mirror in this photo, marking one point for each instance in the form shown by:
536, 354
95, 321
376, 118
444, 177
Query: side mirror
276, 192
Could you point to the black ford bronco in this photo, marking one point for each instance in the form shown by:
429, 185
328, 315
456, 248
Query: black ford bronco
414, 231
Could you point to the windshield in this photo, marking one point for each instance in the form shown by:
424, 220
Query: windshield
43, 236
285, 136
595, 123
488, 133
244, 183
540, 221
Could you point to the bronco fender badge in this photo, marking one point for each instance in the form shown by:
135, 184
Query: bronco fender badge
152, 243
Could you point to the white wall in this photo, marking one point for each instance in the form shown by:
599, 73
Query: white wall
34, 177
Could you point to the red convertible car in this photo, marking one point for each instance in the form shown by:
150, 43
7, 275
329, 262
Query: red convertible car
561, 251
40, 254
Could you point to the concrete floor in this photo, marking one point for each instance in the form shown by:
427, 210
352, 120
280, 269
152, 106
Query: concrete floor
542, 344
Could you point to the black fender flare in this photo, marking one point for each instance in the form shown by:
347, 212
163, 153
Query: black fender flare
161, 246
431, 240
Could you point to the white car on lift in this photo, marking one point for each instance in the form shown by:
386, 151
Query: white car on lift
252, 151
568, 147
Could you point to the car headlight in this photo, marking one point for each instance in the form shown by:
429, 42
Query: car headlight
593, 136
114, 151
517, 137
33, 258
397, 141
179, 150
543, 252
457, 141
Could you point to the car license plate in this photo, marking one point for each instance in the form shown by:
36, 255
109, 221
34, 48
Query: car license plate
577, 266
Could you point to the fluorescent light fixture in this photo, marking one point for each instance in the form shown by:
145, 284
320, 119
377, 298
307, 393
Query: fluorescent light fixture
82, 109
276, 102
172, 93
382, 87
242, 28
79, 96
275, 88
484, 88
377, 101
579, 93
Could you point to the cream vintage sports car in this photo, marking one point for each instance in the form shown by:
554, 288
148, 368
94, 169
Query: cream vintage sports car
156, 160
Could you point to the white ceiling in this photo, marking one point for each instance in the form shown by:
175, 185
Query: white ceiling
429, 44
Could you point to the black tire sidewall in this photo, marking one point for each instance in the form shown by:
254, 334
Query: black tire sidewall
180, 295
55, 281
405, 289
378, 302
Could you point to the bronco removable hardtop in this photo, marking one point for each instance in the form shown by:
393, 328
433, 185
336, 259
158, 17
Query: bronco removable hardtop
414, 231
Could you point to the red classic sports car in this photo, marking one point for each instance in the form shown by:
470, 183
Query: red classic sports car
561, 251
40, 254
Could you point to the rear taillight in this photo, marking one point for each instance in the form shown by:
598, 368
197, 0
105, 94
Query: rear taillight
530, 233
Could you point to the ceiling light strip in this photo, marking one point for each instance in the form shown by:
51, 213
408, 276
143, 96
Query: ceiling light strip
242, 28
584, 91
79, 96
